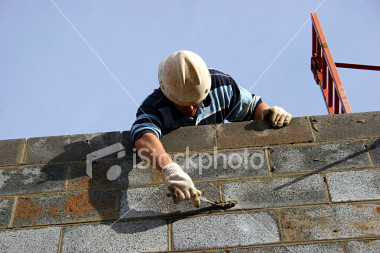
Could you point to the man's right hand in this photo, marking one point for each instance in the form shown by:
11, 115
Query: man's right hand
276, 116
180, 184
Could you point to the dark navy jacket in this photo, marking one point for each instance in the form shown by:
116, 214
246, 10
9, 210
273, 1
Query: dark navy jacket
225, 101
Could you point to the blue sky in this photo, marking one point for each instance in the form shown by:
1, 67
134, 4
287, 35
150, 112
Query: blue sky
53, 83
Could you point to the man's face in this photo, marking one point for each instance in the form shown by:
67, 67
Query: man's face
189, 110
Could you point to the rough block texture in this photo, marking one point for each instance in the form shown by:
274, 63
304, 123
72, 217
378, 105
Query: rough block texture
154, 201
11, 151
103, 140
318, 247
137, 236
5, 212
57, 149
193, 137
228, 164
259, 133
66, 208
330, 222
368, 246
67, 147
132, 174
346, 126
270, 192
312, 186
229, 230
374, 150
79, 180
33, 179
30, 240
319, 157
126, 141
354, 185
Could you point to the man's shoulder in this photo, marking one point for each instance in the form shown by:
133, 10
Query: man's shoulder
219, 78
215, 72
156, 99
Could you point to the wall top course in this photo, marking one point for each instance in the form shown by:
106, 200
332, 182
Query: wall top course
259, 133
12, 151
346, 126
307, 198
224, 136
67, 147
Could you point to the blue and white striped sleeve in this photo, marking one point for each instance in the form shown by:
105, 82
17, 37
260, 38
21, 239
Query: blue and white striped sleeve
243, 104
148, 120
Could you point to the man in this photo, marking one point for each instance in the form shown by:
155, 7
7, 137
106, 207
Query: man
191, 94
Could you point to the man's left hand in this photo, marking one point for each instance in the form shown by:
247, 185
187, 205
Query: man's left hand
276, 116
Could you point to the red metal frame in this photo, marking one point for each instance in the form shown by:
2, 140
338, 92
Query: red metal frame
325, 72
356, 66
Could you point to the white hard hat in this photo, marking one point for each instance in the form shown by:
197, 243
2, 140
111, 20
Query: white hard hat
184, 78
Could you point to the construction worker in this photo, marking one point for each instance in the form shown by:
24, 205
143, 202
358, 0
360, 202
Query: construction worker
191, 94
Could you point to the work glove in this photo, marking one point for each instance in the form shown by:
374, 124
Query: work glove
276, 116
180, 185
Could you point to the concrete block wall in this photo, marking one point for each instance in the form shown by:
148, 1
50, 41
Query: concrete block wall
313, 186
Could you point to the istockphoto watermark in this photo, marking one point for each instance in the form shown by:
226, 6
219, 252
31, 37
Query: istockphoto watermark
233, 160
114, 172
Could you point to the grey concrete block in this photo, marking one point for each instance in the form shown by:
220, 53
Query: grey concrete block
103, 140
79, 180
67, 147
11, 151
228, 164
319, 157
272, 191
368, 246
57, 149
130, 175
138, 173
126, 141
5, 212
33, 179
329, 222
30, 240
259, 133
66, 208
346, 126
230, 230
154, 201
318, 247
136, 236
194, 137
374, 150
354, 185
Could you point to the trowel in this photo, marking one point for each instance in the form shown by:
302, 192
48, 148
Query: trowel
221, 204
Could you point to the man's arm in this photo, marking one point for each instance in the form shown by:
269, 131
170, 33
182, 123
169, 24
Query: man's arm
150, 147
259, 111
180, 184
247, 106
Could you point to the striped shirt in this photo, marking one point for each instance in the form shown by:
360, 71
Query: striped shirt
225, 101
